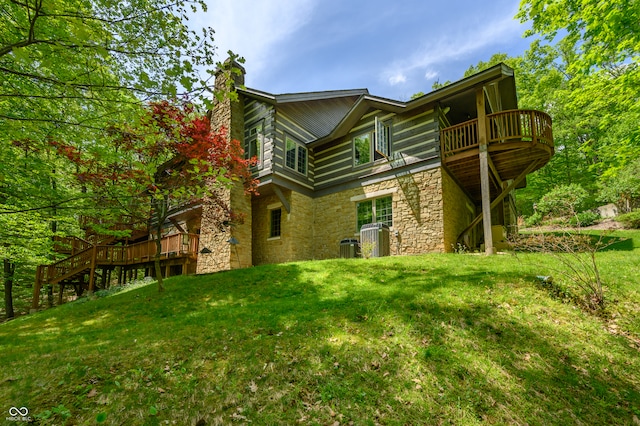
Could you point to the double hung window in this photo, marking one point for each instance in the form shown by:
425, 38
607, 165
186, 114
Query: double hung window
295, 156
255, 144
275, 228
378, 210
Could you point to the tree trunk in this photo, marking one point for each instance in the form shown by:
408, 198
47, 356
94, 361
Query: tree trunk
9, 270
156, 260
160, 208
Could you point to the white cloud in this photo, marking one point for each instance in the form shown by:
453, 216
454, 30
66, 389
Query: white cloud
438, 51
397, 79
250, 28
430, 74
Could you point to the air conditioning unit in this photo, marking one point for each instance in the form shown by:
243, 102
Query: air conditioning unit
375, 237
349, 248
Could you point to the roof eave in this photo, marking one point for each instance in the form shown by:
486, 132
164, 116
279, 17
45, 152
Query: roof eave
497, 72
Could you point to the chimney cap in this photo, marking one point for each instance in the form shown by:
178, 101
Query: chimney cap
231, 62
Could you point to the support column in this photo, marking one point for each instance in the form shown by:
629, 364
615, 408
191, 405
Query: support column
484, 172
92, 273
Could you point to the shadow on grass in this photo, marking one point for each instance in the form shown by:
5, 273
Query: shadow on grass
412, 342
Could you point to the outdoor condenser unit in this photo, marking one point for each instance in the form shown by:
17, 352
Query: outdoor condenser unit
376, 237
349, 248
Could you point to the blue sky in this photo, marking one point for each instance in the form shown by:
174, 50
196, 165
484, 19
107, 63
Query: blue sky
392, 48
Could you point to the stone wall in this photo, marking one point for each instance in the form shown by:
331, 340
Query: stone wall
295, 242
215, 236
458, 211
417, 218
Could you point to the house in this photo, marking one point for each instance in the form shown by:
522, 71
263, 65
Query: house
438, 171
433, 169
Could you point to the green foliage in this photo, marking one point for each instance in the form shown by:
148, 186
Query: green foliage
631, 219
585, 218
600, 32
563, 200
59, 411
584, 72
622, 186
533, 220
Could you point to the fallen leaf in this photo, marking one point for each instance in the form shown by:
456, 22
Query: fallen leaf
160, 390
253, 387
93, 392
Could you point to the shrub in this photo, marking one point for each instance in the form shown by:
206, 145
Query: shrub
576, 252
534, 220
563, 200
630, 220
585, 218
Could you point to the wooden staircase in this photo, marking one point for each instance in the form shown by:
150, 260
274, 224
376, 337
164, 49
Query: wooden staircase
176, 249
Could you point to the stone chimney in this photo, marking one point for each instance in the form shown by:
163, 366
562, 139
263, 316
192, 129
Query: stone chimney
226, 246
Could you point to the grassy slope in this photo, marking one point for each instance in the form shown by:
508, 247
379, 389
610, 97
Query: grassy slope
415, 340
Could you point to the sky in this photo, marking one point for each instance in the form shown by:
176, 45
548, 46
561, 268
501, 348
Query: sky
392, 48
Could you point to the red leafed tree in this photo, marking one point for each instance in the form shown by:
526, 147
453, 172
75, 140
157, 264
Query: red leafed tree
171, 158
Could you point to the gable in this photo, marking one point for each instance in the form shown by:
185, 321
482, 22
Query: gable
319, 117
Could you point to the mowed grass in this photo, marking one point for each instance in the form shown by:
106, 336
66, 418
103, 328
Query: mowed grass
434, 339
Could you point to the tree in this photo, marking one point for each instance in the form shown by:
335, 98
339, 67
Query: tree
595, 45
166, 161
74, 62
602, 33
69, 70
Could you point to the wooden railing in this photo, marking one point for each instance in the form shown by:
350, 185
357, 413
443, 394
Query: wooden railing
70, 245
459, 138
172, 245
505, 126
525, 125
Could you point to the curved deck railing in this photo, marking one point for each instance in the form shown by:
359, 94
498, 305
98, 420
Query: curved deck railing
504, 126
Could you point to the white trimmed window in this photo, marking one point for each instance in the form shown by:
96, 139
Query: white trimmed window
255, 143
295, 156
378, 210
372, 145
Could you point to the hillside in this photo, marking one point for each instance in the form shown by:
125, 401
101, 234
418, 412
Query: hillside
434, 339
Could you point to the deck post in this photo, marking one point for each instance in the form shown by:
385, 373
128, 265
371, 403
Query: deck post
92, 272
484, 171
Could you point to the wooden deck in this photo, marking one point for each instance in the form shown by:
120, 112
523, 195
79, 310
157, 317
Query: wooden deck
85, 259
517, 141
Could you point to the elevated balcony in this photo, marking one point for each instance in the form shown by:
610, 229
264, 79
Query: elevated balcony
518, 142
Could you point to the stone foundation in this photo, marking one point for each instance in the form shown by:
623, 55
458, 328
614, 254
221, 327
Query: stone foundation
314, 227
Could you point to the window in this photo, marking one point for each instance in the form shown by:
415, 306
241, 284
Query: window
378, 210
362, 148
383, 140
373, 145
276, 220
255, 143
295, 156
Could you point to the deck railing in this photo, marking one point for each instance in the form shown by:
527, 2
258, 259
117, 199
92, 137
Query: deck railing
459, 138
172, 245
525, 125
505, 126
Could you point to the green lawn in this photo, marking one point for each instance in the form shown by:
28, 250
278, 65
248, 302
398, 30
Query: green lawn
434, 339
